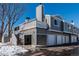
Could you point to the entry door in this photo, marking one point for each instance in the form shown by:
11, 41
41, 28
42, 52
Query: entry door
51, 40
27, 39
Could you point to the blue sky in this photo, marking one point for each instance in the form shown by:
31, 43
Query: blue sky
69, 11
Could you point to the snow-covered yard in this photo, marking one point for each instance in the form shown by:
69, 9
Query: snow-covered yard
11, 48
7, 50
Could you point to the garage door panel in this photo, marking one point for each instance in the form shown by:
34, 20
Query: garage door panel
73, 39
65, 39
59, 39
51, 40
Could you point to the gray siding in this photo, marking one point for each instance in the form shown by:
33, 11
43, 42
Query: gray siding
56, 27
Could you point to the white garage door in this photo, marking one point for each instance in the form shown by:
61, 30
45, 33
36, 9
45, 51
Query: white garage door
51, 40
73, 39
59, 39
65, 39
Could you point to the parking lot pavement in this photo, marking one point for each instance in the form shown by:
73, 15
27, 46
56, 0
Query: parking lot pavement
56, 51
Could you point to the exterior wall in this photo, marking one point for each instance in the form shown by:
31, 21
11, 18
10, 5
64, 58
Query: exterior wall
28, 25
77, 30
41, 37
62, 26
48, 20
66, 27
30, 32
65, 38
56, 27
69, 28
32, 24
41, 24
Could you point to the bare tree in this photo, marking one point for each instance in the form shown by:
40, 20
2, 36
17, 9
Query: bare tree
9, 15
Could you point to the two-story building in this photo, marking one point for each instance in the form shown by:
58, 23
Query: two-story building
46, 30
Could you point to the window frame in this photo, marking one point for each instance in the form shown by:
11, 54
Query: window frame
56, 22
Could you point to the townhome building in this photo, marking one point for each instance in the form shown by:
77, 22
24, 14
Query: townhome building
46, 30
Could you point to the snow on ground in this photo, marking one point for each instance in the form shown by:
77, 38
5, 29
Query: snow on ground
11, 50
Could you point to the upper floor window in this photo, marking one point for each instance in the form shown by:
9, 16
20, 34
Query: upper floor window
55, 22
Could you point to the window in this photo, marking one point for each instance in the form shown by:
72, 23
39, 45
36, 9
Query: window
55, 22
27, 39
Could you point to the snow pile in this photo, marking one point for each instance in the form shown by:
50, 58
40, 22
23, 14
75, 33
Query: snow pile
11, 50
7, 50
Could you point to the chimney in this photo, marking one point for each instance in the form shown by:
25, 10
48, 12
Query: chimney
40, 13
72, 22
27, 19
